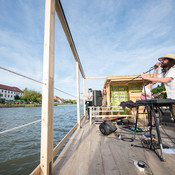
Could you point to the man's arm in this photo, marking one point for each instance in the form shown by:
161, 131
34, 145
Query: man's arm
156, 79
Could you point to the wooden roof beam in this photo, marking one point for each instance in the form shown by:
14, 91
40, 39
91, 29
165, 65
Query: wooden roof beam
96, 77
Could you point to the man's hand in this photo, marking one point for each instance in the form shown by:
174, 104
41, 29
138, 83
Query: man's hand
159, 65
143, 75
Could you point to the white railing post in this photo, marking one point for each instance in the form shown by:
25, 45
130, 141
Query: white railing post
84, 97
78, 96
90, 117
46, 156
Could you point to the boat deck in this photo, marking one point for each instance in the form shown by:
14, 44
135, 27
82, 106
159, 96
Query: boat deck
88, 152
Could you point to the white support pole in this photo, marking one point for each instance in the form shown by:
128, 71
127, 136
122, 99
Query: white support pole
78, 96
108, 95
84, 97
46, 157
90, 115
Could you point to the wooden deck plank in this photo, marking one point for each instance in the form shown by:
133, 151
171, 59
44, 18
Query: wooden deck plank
110, 166
80, 161
88, 152
67, 156
157, 166
95, 158
120, 154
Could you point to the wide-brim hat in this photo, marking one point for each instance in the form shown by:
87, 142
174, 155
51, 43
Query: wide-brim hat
169, 55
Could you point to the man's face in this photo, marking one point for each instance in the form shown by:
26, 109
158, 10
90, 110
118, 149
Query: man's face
164, 62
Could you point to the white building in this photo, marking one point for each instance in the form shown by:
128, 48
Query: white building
8, 92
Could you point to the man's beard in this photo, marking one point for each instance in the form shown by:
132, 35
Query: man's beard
164, 65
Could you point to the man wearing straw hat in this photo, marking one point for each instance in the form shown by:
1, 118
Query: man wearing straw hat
167, 76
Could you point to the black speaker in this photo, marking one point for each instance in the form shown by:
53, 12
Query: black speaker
97, 98
166, 116
107, 127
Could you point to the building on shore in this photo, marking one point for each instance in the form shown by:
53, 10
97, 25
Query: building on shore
9, 92
58, 99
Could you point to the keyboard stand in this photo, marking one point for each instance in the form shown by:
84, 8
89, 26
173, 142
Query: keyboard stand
150, 111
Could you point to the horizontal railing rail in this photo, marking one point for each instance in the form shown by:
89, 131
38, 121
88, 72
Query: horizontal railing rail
37, 170
57, 148
63, 141
99, 113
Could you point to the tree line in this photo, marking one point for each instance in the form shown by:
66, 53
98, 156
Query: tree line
30, 96
36, 97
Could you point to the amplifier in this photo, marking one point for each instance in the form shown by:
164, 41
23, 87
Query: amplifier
97, 98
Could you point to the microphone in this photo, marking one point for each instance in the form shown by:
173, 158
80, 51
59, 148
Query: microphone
156, 66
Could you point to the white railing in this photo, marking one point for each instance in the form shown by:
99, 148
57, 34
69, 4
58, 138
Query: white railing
106, 112
102, 111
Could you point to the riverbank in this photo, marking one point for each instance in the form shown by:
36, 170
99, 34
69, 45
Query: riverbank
28, 105
19, 105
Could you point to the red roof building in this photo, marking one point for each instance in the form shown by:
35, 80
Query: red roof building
9, 92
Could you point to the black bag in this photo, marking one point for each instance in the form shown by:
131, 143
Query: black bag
107, 127
130, 104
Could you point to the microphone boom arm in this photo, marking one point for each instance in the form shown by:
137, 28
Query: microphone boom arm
152, 68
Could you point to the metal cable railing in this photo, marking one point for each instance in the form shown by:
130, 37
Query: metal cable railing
31, 123
37, 121
35, 80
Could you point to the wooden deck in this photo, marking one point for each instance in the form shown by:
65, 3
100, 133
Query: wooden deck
88, 152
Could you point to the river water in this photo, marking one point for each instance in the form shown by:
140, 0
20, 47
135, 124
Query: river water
20, 149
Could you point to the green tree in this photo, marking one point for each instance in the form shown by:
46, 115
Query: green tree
71, 101
26, 95
74, 101
2, 100
36, 97
160, 89
31, 96
17, 97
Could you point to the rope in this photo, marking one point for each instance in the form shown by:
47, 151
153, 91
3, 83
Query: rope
21, 75
34, 80
65, 92
31, 123
15, 128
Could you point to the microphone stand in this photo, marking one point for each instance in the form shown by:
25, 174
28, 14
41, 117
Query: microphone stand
152, 68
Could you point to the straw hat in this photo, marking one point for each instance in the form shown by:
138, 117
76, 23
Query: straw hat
169, 55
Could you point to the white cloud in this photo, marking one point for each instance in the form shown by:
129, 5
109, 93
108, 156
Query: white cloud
112, 38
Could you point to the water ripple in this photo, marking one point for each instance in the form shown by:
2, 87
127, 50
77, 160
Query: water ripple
20, 149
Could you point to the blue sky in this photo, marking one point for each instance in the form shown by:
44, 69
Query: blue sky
112, 37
